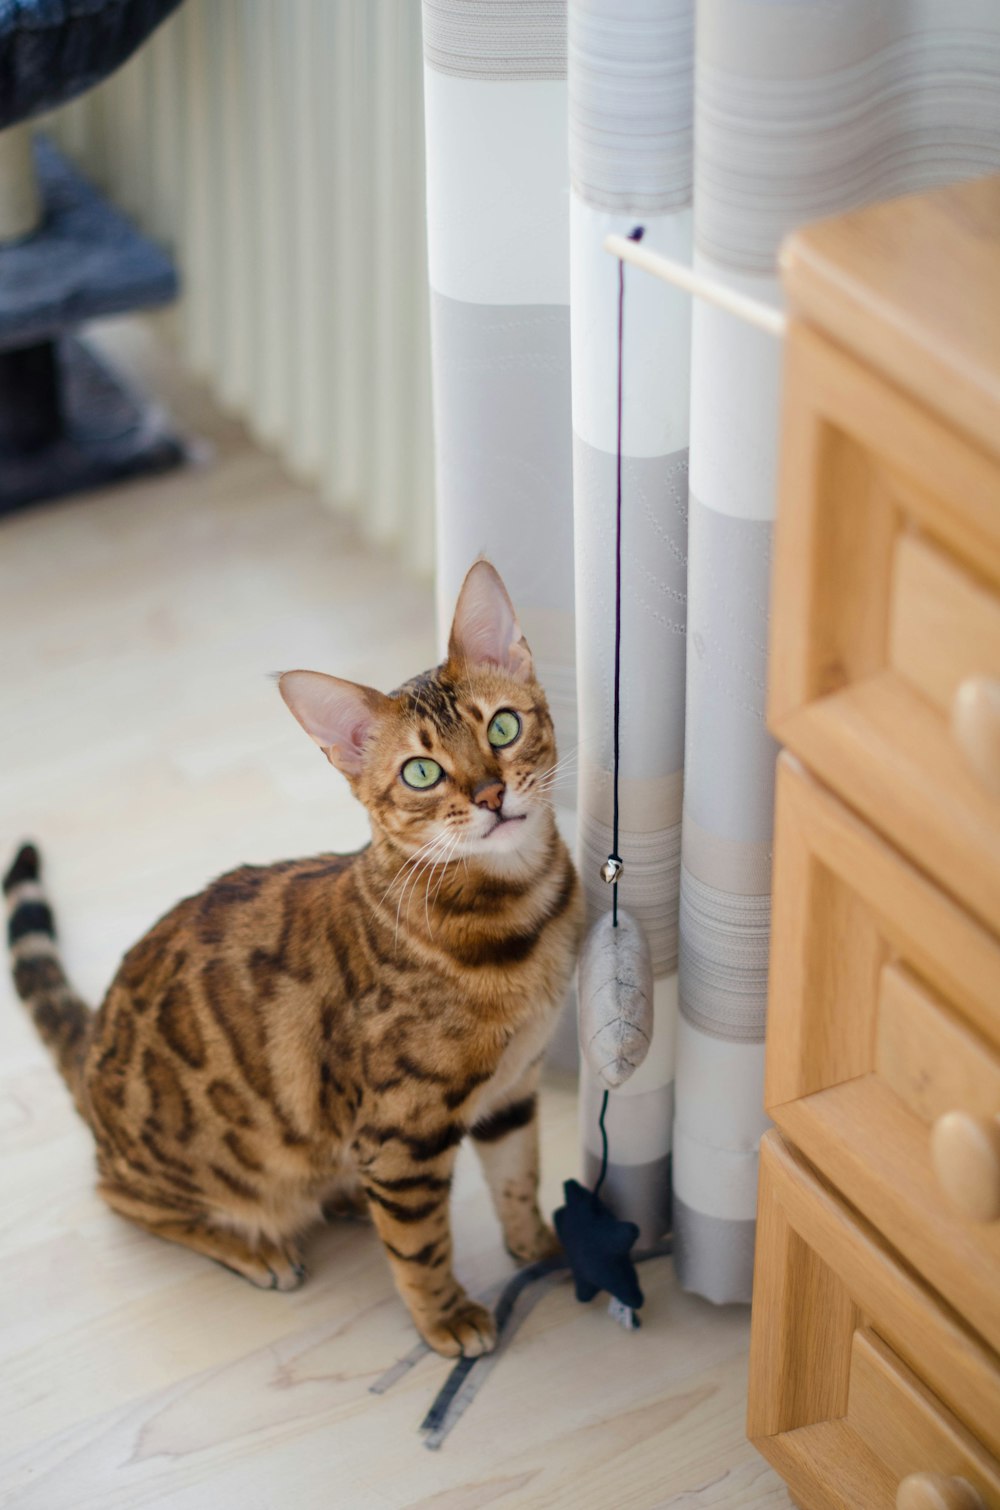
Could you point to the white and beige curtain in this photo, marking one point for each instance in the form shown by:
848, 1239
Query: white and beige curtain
498, 259
719, 126
630, 163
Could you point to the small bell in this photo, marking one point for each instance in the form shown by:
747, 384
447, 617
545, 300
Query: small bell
611, 870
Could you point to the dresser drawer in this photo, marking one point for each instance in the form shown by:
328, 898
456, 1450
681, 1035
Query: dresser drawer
909, 1431
944, 623
885, 643
883, 1049
861, 1380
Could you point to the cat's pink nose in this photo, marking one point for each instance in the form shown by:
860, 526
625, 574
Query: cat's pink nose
489, 794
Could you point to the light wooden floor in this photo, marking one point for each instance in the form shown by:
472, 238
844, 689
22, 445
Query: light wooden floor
142, 744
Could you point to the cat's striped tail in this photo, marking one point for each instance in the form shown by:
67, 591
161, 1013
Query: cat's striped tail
61, 1017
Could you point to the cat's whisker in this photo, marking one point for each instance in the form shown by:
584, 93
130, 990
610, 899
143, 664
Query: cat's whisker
553, 779
550, 786
557, 775
429, 862
417, 864
443, 863
564, 770
568, 755
564, 764
411, 880
427, 896
429, 866
406, 865
410, 860
444, 869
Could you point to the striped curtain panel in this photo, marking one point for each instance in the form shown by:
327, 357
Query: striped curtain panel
797, 109
498, 255
630, 82
801, 110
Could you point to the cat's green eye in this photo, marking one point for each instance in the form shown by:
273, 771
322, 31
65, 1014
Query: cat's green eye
421, 773
504, 728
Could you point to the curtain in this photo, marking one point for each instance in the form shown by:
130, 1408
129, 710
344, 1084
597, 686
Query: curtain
720, 127
801, 110
497, 235
630, 80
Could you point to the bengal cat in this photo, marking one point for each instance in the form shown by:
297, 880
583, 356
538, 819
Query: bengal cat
306, 1036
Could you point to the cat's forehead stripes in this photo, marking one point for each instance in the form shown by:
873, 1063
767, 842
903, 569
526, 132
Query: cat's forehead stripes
432, 696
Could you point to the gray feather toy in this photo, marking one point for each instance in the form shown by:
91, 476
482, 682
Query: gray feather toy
616, 998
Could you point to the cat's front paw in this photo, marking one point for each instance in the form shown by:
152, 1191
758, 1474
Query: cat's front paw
285, 1267
465, 1332
528, 1247
289, 1273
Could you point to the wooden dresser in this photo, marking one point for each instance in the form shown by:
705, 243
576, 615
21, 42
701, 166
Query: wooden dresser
875, 1375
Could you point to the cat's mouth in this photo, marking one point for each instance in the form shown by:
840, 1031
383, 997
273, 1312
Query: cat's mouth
504, 821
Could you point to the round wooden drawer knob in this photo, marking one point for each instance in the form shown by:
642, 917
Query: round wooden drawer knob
965, 1153
975, 725
933, 1491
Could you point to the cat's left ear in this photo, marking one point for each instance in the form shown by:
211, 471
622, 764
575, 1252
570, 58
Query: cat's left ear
337, 715
485, 627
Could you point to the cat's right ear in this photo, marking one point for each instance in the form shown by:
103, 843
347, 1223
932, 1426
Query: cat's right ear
485, 630
337, 715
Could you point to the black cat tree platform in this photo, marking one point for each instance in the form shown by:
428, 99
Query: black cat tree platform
67, 422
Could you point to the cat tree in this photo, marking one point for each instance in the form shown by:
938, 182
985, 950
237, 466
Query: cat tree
66, 256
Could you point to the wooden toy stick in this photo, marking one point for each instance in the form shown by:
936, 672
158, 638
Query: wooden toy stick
751, 310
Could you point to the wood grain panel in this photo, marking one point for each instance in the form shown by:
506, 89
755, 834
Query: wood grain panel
802, 1322
945, 622
815, 835
946, 1355
927, 1056
858, 460
829, 1467
833, 543
877, 979
819, 1021
892, 757
906, 1427
865, 1141
874, 277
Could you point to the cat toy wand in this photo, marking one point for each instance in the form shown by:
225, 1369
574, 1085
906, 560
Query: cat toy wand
616, 1022
615, 1006
615, 997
